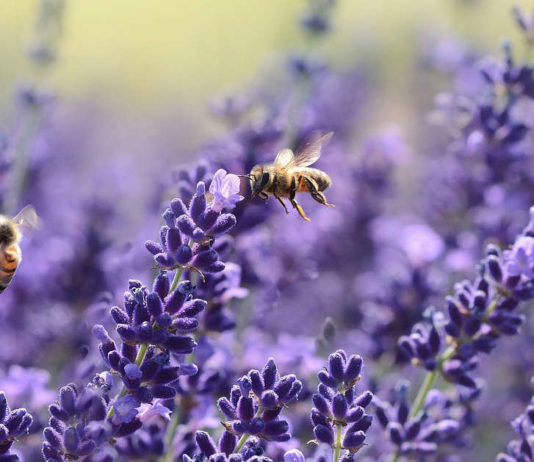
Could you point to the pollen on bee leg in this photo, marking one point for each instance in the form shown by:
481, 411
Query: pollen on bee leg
301, 212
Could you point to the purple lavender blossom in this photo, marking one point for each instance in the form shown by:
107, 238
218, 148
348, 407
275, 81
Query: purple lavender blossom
256, 402
339, 418
253, 409
225, 190
520, 259
187, 239
477, 316
125, 409
13, 424
77, 425
419, 434
240, 282
152, 325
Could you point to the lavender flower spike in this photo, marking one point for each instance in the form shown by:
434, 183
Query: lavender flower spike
13, 424
339, 417
253, 408
187, 240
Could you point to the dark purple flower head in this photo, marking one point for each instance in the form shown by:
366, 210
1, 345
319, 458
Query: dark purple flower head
153, 326
420, 434
337, 406
255, 403
187, 240
186, 179
422, 345
77, 426
342, 373
479, 313
14, 423
223, 451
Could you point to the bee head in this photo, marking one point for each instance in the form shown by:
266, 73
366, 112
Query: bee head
8, 232
259, 180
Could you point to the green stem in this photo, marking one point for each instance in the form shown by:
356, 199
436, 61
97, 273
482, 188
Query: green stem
529, 45
337, 446
138, 360
143, 349
171, 432
429, 380
246, 436
425, 387
491, 308
241, 442
176, 279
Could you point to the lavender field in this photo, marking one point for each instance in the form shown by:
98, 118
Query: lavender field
161, 309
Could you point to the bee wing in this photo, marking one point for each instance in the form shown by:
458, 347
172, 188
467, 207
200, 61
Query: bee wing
27, 219
284, 158
311, 150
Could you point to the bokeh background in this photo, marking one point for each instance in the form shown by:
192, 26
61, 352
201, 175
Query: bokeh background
145, 60
131, 94
141, 75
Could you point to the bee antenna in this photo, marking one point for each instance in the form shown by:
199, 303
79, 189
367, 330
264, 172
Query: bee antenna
246, 176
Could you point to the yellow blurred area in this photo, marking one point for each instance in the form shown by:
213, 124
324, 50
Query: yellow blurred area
140, 53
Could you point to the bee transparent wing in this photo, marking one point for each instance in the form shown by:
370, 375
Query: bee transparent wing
284, 158
27, 219
310, 152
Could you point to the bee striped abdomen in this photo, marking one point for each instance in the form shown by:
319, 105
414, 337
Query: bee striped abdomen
9, 262
323, 180
320, 178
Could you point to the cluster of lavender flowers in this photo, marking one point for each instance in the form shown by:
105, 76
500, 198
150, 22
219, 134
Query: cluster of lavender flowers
253, 409
170, 372
339, 417
450, 344
153, 329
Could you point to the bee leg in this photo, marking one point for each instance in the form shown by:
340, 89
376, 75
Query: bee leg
299, 209
292, 192
282, 202
315, 193
293, 188
275, 184
321, 198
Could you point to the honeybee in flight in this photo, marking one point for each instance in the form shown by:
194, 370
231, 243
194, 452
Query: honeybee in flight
290, 174
10, 236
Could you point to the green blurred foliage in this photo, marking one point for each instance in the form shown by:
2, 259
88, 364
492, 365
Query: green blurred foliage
145, 56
